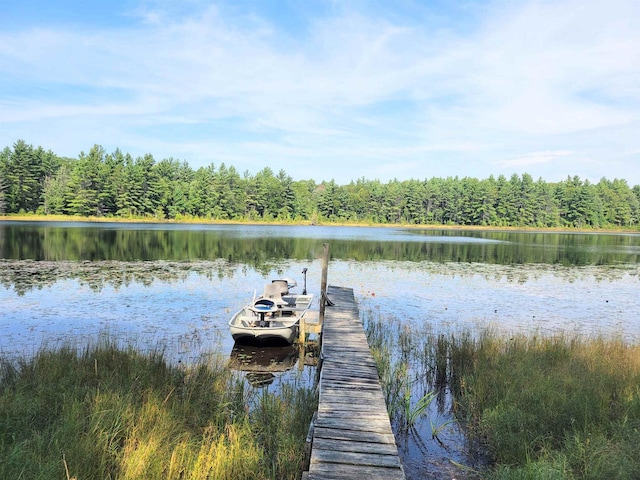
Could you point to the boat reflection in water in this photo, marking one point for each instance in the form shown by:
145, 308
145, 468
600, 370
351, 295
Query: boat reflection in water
262, 363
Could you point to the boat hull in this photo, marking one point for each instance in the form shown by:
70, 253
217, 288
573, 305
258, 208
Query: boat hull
265, 335
268, 323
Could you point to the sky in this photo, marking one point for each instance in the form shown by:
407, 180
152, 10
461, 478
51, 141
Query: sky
331, 90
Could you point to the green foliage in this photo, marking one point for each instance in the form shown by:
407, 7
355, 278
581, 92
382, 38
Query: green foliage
87, 182
23, 171
103, 184
3, 192
538, 470
110, 413
56, 190
554, 407
280, 426
557, 407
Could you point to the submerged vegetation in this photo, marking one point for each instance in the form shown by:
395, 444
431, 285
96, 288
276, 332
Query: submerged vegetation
116, 185
109, 412
553, 407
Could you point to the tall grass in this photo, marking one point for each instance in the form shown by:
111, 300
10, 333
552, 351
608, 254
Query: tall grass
543, 407
393, 348
112, 413
560, 404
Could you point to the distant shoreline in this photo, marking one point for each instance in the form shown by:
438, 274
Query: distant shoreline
202, 221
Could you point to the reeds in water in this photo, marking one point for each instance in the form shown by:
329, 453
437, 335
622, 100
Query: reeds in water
543, 407
393, 347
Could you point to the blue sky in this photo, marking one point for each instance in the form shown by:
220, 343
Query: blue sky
331, 89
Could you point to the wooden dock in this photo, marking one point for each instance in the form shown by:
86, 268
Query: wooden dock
351, 437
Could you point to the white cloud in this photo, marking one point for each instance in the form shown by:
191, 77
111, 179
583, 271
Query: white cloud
541, 77
535, 64
535, 158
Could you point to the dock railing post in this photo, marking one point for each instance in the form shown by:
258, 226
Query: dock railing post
323, 281
302, 332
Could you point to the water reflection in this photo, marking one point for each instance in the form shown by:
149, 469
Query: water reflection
185, 306
260, 246
22, 276
262, 363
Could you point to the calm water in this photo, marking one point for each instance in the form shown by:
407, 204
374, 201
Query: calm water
175, 286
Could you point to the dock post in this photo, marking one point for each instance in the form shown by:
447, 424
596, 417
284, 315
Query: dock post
302, 331
323, 281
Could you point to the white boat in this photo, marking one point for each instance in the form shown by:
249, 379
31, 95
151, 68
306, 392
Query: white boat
272, 317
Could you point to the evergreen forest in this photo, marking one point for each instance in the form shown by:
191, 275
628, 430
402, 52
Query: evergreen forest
102, 184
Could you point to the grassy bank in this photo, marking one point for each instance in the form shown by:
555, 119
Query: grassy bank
558, 407
108, 413
199, 220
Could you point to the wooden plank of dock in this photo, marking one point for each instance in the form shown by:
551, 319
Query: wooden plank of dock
352, 436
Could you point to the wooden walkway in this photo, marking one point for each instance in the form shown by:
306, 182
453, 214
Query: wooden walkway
352, 437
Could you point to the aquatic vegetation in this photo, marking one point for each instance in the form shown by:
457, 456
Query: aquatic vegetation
557, 400
393, 348
557, 406
108, 412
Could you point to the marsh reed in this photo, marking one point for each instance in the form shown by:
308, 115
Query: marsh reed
559, 406
113, 413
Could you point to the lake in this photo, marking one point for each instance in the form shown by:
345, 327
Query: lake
175, 286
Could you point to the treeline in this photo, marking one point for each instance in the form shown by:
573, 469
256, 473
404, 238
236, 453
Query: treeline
33, 180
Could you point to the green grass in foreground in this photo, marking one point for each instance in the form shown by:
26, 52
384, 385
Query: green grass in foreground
113, 413
554, 407
557, 407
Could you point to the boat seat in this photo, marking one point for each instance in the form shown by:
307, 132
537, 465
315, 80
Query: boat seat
263, 306
273, 292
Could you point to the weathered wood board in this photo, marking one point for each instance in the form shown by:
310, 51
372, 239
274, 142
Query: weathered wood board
352, 436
